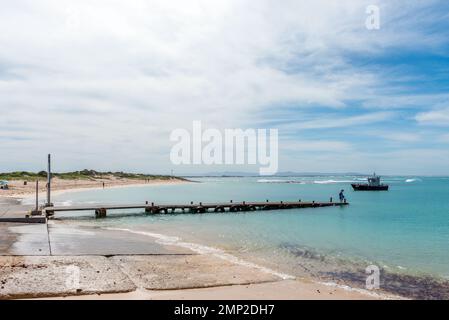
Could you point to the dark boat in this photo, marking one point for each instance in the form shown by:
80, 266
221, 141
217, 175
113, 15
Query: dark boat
372, 185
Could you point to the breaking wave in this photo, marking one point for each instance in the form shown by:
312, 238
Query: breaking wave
332, 181
412, 180
279, 181
202, 249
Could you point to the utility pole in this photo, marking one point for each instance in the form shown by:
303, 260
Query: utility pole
49, 204
37, 194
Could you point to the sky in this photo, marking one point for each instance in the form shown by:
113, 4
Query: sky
101, 84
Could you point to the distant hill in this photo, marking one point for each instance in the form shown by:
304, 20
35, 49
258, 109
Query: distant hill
279, 174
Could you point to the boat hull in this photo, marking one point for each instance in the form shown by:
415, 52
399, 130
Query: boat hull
366, 187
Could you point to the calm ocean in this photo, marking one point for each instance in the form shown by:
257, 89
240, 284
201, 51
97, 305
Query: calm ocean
404, 231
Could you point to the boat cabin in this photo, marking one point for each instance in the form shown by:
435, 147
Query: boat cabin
374, 181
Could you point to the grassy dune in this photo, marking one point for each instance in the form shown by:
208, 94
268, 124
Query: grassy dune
82, 175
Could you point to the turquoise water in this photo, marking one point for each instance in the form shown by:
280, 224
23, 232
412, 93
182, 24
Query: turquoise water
404, 230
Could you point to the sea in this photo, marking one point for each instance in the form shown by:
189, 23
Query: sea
403, 233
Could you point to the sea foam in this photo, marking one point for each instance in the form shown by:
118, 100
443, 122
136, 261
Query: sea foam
202, 249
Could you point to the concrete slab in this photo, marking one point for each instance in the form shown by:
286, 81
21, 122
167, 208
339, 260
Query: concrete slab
28, 239
187, 271
32, 277
52, 276
7, 238
77, 240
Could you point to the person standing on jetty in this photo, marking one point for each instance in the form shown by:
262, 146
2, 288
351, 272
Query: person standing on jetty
342, 196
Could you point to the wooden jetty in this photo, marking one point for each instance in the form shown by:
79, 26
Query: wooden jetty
152, 208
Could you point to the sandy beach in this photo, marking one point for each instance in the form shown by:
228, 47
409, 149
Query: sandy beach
18, 188
281, 290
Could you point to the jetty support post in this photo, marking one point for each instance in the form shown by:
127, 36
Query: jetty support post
36, 211
151, 209
100, 213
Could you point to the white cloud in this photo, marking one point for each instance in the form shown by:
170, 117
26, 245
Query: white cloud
444, 138
343, 122
403, 137
328, 146
426, 161
438, 117
407, 101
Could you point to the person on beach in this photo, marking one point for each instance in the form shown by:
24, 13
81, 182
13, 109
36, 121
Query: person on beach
341, 195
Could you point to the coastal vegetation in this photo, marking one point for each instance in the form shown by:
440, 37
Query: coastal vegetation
83, 175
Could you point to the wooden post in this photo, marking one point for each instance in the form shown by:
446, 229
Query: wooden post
36, 211
100, 213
